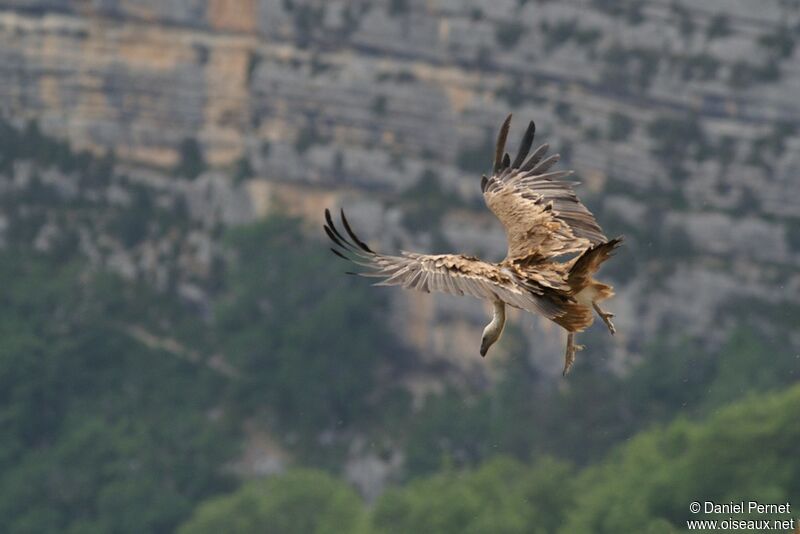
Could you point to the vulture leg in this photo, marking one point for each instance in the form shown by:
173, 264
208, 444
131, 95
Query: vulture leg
606, 317
572, 348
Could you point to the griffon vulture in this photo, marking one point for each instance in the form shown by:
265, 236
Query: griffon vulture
554, 248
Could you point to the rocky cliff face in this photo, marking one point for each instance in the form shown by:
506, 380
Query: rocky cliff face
681, 121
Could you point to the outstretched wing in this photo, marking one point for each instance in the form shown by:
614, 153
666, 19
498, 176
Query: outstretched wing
447, 273
540, 211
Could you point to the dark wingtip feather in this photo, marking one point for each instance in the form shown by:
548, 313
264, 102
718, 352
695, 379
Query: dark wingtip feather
506, 161
484, 181
332, 227
353, 235
501, 143
333, 237
340, 254
525, 145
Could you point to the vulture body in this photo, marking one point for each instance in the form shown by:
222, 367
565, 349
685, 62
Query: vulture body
554, 248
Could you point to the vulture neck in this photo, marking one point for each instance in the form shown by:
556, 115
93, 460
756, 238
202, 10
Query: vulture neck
495, 328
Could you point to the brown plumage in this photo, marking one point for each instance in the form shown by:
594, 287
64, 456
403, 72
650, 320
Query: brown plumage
554, 247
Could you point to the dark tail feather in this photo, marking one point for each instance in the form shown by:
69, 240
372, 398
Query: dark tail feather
588, 263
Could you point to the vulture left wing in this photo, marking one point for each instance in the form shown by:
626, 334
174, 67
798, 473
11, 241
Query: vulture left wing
540, 211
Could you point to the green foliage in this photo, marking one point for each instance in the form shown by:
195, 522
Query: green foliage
677, 140
683, 19
718, 27
768, 148
307, 137
516, 92
31, 144
620, 126
726, 150
398, 7
779, 44
103, 433
564, 112
190, 159
645, 485
483, 58
744, 74
793, 234
254, 59
307, 19
473, 158
100, 433
301, 502
426, 202
131, 222
243, 170
307, 339
703, 67
746, 451
741, 368
629, 70
592, 134
458, 430
508, 33
630, 10
673, 378
503, 496
563, 31
379, 105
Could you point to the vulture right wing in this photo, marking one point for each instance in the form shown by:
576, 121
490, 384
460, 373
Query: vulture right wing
448, 273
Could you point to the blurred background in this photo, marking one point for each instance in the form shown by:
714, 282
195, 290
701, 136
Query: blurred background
180, 352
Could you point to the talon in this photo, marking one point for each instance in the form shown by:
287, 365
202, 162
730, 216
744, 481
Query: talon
569, 357
609, 324
567, 365
606, 317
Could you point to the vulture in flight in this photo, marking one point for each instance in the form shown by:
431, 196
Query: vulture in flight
554, 248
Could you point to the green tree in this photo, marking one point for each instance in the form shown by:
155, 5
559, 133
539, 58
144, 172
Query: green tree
620, 126
503, 496
676, 140
719, 26
191, 162
307, 339
745, 451
508, 33
301, 501
100, 433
